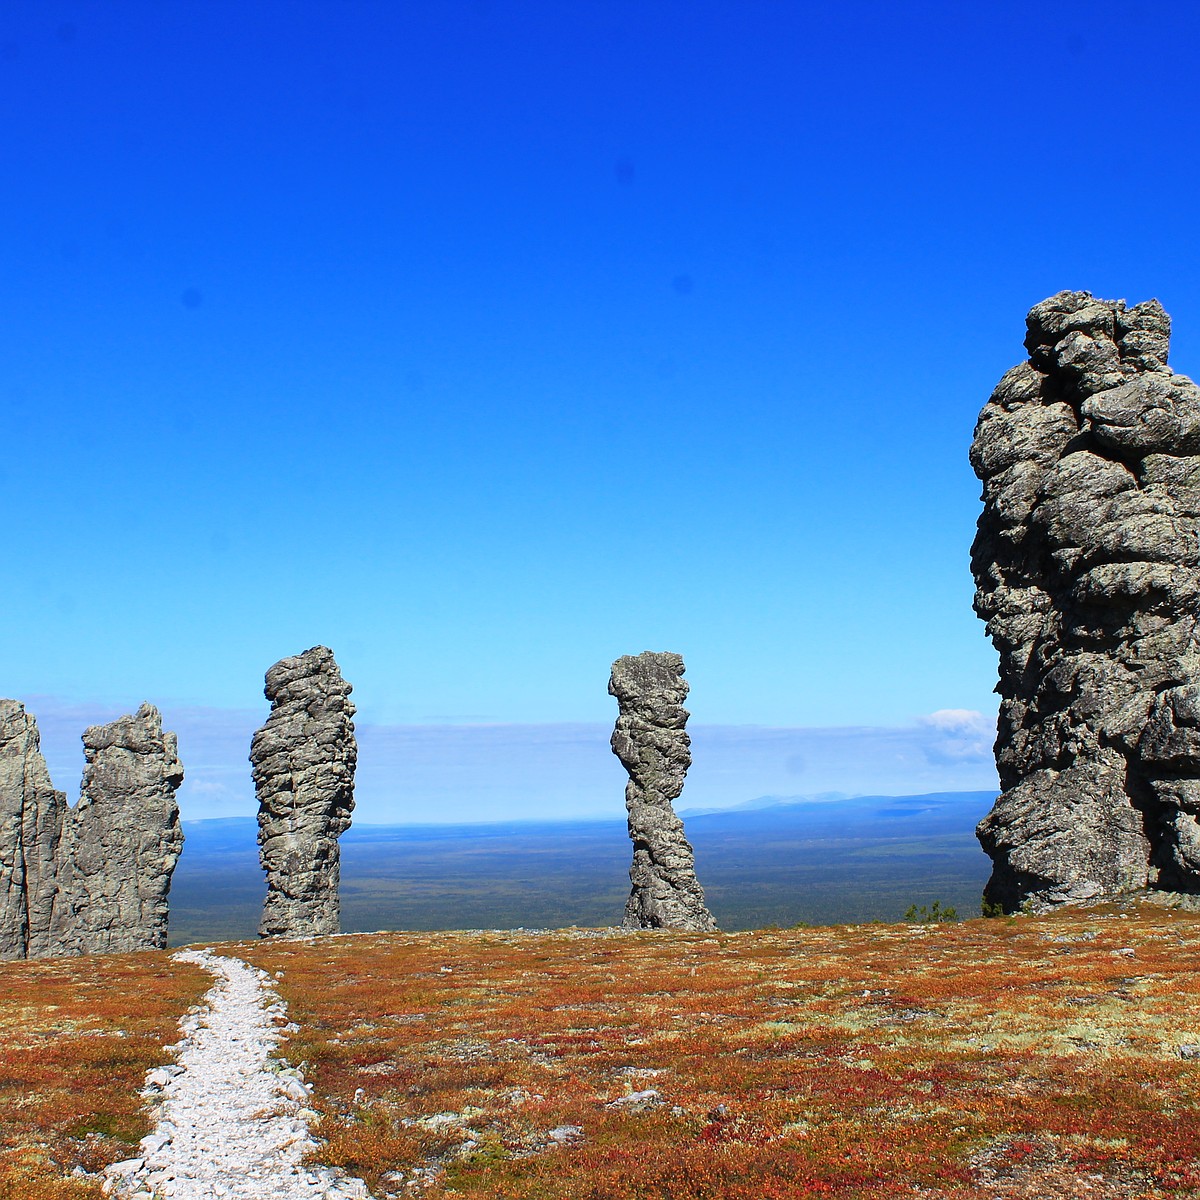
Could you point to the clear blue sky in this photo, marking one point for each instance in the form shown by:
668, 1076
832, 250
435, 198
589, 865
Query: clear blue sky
485, 342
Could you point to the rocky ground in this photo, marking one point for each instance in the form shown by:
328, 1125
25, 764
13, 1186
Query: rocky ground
232, 1115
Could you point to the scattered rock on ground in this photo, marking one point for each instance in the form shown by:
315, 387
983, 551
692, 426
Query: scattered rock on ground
637, 1101
231, 1118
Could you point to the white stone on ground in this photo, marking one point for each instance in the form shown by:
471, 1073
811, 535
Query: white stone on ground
232, 1119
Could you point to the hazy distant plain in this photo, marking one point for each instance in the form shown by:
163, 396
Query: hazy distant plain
863, 859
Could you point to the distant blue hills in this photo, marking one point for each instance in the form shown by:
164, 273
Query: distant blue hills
775, 860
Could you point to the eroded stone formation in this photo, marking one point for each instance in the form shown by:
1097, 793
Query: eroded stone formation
94, 878
121, 841
303, 760
31, 820
652, 743
1088, 575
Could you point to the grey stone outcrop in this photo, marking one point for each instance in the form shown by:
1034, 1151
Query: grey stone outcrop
121, 841
96, 877
652, 743
304, 759
1087, 569
31, 818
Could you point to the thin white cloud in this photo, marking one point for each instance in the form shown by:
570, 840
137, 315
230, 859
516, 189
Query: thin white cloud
959, 735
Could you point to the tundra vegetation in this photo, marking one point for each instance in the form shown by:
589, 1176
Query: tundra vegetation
77, 1036
1014, 1057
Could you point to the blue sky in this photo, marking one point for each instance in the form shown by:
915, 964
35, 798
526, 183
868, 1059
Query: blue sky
485, 342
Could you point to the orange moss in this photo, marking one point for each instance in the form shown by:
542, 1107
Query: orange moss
966, 1061
77, 1036
1020, 1058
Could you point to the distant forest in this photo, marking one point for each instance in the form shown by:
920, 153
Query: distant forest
846, 861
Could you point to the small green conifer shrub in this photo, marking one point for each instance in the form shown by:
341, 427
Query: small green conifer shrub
933, 915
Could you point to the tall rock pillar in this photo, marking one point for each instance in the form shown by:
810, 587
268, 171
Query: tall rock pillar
1087, 568
303, 760
31, 819
121, 841
653, 746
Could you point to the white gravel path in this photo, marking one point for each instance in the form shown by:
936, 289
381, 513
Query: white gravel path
233, 1121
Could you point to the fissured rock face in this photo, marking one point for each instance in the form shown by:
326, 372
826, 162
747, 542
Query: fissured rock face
653, 746
304, 759
96, 877
31, 817
121, 841
1088, 574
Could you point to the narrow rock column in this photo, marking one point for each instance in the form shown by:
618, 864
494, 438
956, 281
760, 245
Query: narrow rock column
303, 760
653, 746
1087, 568
121, 841
31, 819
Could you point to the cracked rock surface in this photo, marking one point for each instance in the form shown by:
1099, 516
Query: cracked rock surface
121, 841
653, 746
94, 878
31, 817
232, 1119
1087, 571
303, 761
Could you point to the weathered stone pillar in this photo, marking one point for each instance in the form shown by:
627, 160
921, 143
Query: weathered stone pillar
653, 746
121, 841
1087, 569
303, 760
31, 818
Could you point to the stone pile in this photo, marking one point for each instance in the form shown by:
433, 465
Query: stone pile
653, 746
303, 762
93, 878
1087, 568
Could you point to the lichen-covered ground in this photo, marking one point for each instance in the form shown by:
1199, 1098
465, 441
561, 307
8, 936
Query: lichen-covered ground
77, 1036
1022, 1057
